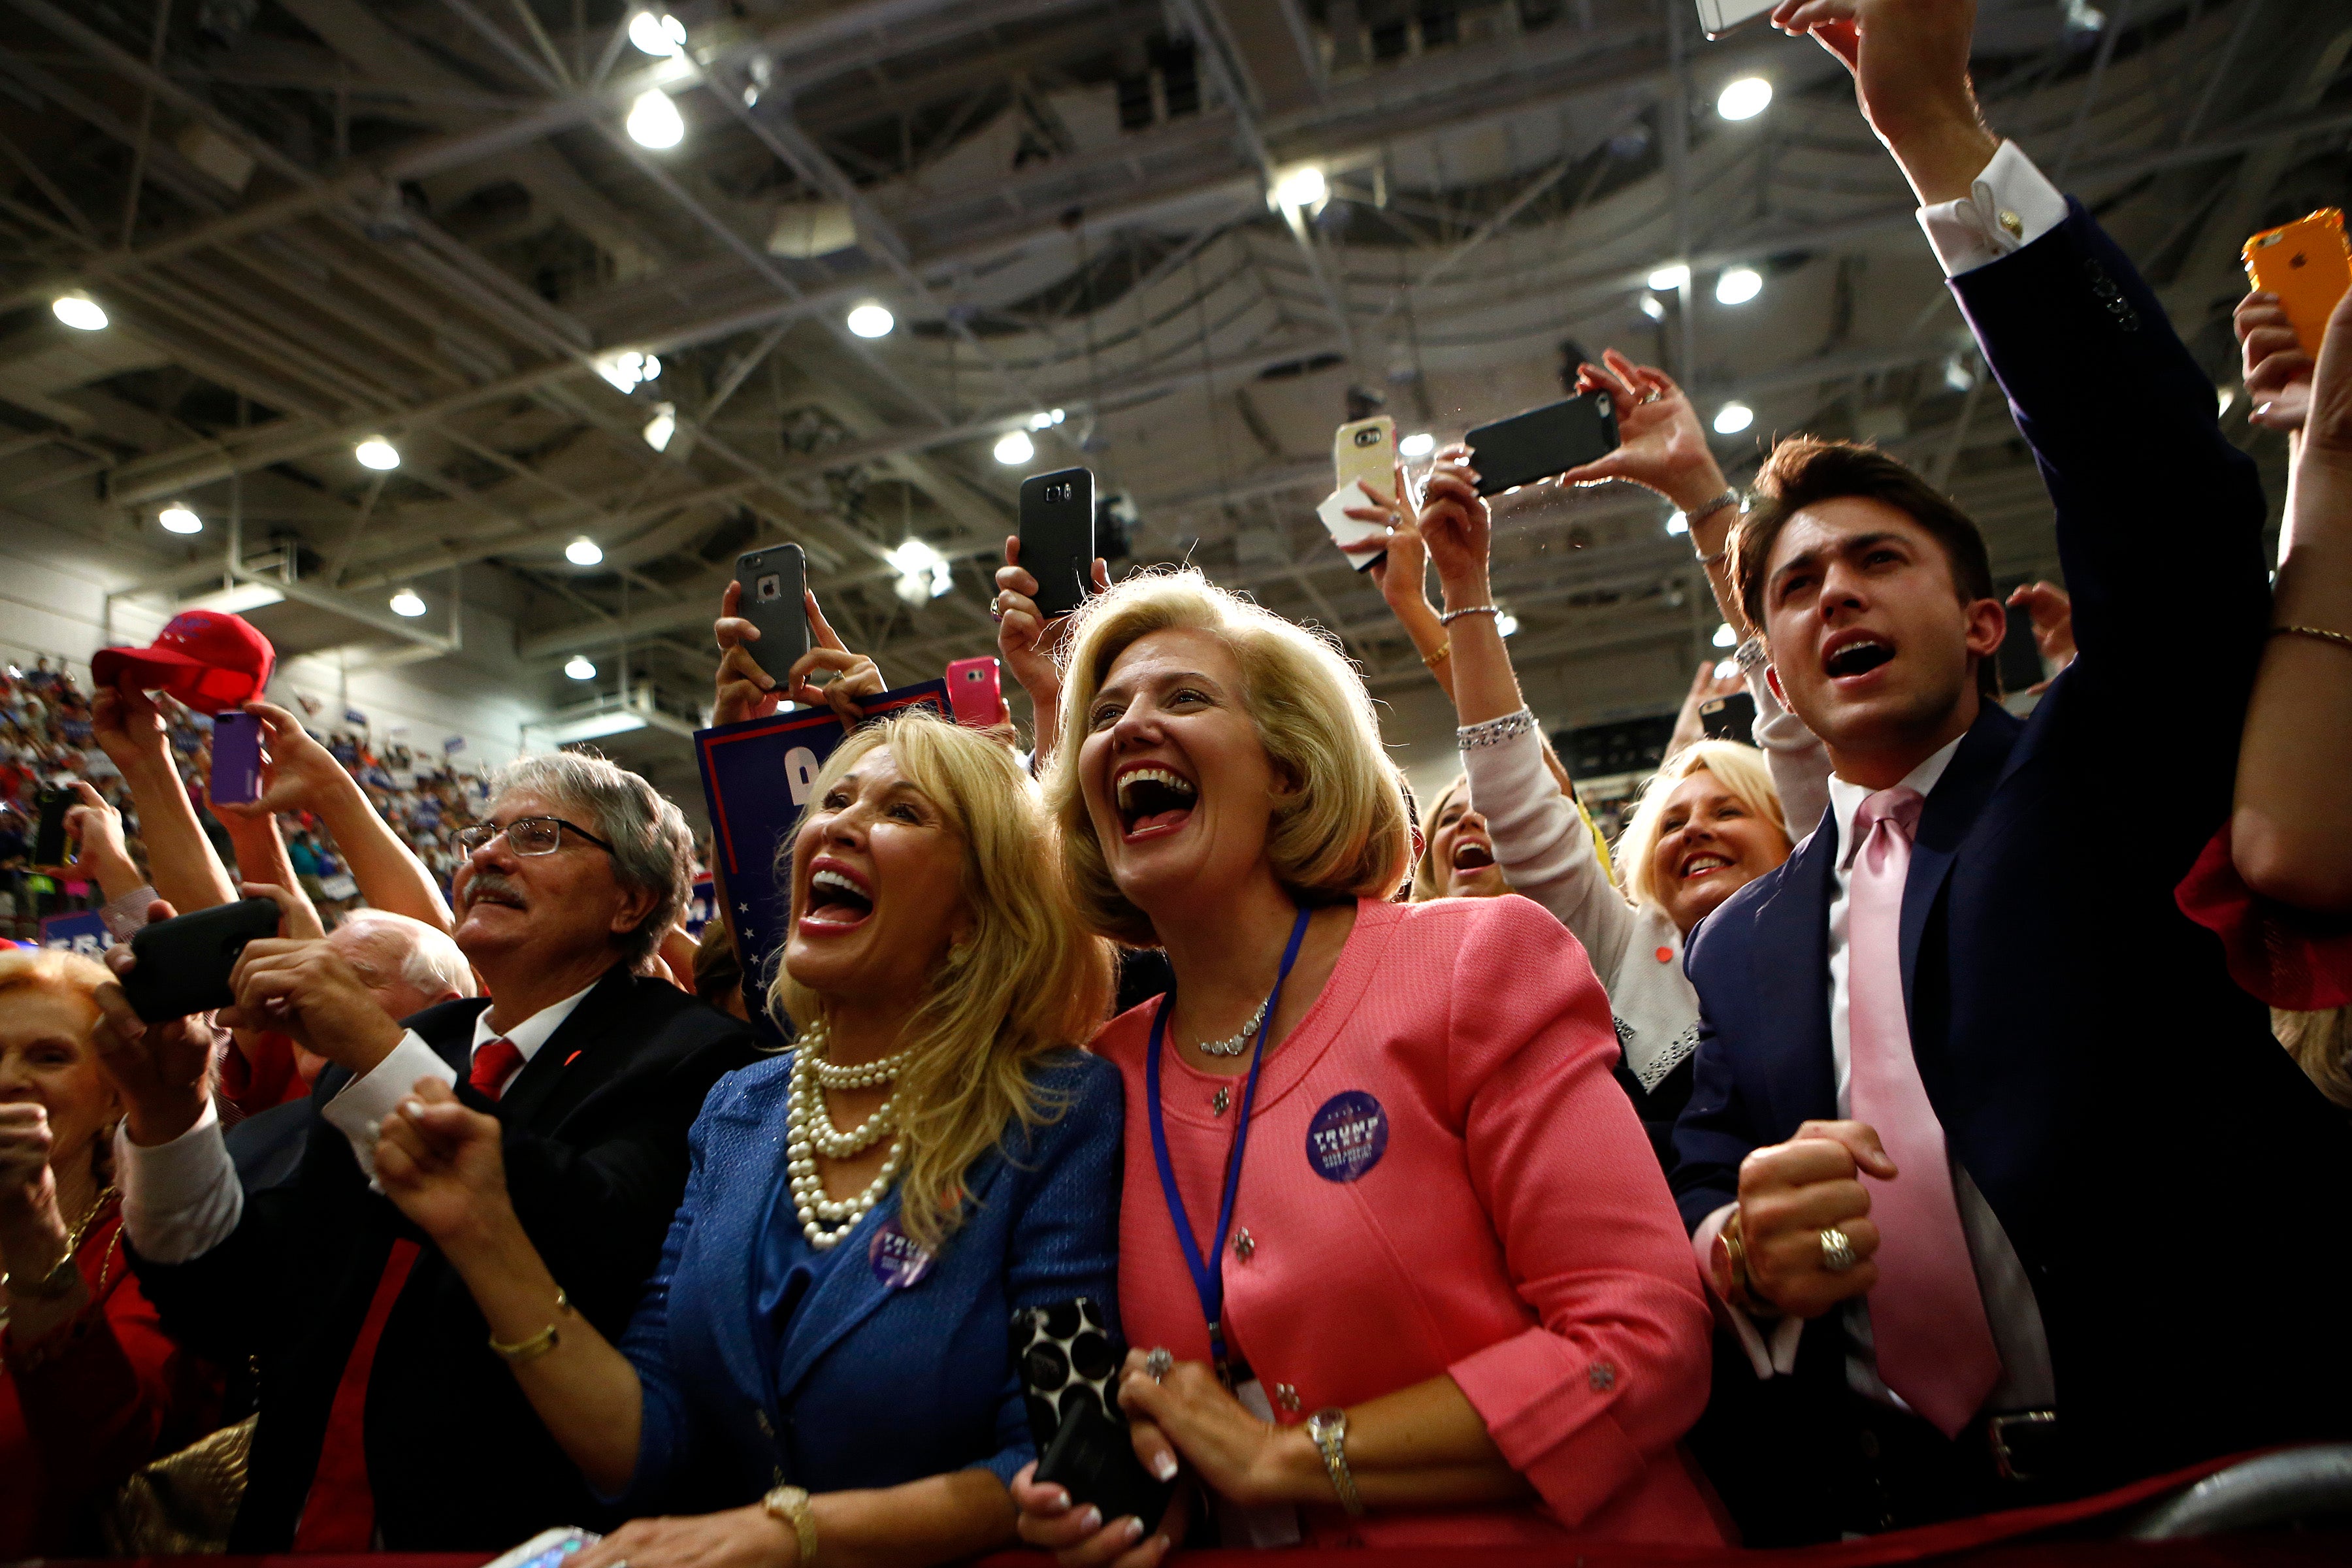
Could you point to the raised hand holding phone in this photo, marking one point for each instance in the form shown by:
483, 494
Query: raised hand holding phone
1026, 636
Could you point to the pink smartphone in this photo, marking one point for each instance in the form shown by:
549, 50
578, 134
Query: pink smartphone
976, 692
236, 758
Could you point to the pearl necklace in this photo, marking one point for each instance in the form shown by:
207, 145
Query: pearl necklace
1238, 1043
808, 1130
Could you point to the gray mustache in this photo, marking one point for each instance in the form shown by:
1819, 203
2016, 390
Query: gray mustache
485, 882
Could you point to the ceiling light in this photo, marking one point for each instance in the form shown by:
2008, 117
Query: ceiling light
1420, 444
377, 453
1733, 417
1653, 308
1744, 99
1667, 279
1958, 374
1506, 622
1738, 285
579, 668
661, 426
80, 312
407, 602
1726, 669
1015, 448
871, 321
1724, 637
653, 34
628, 369
2223, 396
1677, 523
654, 120
1301, 187
177, 518
923, 572
583, 551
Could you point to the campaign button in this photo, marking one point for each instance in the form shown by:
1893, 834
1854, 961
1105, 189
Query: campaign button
898, 1263
1348, 1136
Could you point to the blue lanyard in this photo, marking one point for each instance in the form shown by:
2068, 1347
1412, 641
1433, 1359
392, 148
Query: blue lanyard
1208, 1279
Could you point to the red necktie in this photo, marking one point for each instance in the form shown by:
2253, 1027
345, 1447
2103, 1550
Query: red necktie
493, 1064
1926, 1312
339, 1515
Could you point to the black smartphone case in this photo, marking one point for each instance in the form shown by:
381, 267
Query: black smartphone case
50, 829
1069, 1365
1057, 537
780, 571
1731, 718
1543, 443
184, 962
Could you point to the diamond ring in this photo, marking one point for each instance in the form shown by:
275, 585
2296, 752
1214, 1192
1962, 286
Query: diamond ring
1837, 1250
1158, 1362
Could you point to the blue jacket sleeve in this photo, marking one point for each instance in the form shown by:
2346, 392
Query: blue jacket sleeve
1064, 1242
666, 1439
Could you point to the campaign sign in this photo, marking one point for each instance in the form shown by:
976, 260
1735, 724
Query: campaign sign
897, 1261
701, 908
83, 932
756, 777
1348, 1136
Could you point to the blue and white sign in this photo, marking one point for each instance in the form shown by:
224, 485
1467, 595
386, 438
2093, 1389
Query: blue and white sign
1348, 1136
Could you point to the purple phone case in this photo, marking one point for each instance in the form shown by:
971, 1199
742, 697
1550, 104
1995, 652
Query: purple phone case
236, 758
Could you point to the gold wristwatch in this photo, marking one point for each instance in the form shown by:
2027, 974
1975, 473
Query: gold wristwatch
1329, 1429
791, 1505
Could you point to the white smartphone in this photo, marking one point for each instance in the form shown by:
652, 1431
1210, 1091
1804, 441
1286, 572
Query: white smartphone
1721, 16
1348, 533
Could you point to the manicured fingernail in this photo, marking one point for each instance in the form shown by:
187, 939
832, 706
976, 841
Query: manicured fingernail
1092, 1518
1059, 1499
1134, 1528
1160, 1545
1164, 1467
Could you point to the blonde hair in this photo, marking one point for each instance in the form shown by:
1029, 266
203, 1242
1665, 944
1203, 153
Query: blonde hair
53, 969
1740, 769
2321, 1045
1024, 980
1425, 883
1338, 828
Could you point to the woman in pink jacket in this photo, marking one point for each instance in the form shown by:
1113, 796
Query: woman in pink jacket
1406, 1270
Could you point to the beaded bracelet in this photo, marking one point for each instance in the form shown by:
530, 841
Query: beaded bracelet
1450, 616
1494, 732
2321, 633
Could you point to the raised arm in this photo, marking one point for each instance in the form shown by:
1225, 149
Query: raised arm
1027, 642
129, 728
298, 774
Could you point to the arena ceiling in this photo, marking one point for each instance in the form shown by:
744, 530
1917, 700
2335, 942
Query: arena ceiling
315, 222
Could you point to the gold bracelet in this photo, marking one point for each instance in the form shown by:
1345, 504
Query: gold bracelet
792, 1506
2322, 633
539, 1344
1743, 1291
1445, 651
1327, 1429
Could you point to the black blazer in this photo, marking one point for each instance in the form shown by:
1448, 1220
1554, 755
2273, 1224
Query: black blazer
596, 1161
2168, 1178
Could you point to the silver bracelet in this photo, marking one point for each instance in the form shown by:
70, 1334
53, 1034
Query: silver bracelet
1751, 655
1494, 732
1450, 616
1700, 513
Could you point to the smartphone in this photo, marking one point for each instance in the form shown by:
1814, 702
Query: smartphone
236, 758
1347, 532
2305, 264
1717, 18
1057, 537
548, 1549
2020, 659
1069, 1363
976, 692
1543, 443
50, 832
775, 599
1365, 450
1731, 718
184, 962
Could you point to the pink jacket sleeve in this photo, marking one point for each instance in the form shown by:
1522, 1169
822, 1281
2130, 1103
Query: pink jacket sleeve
1616, 1368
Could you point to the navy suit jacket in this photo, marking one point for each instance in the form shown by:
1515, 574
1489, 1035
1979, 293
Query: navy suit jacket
2168, 1178
595, 1142
871, 1385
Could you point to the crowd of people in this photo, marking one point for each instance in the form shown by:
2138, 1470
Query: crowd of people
1849, 1146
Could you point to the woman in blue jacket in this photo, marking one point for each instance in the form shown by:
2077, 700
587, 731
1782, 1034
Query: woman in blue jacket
822, 1364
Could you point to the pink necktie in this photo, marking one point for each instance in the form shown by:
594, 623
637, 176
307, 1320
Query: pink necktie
1927, 1313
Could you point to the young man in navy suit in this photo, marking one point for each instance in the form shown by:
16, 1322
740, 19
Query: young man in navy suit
2016, 1196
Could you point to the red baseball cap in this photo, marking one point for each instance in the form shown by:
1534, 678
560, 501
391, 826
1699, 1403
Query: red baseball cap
209, 660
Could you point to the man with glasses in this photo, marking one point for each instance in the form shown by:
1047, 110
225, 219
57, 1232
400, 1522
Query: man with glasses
389, 1418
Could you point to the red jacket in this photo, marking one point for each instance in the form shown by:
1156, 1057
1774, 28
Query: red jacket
1443, 1178
89, 1403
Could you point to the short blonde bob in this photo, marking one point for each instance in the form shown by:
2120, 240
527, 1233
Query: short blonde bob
1025, 979
1740, 769
1339, 829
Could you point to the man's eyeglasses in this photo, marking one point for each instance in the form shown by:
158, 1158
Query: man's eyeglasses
526, 835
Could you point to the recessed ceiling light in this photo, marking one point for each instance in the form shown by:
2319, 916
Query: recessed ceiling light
654, 120
661, 426
377, 453
407, 602
657, 35
1733, 417
1420, 444
1301, 187
872, 320
579, 668
583, 551
1667, 279
1744, 99
177, 518
1015, 448
1653, 308
78, 310
1738, 285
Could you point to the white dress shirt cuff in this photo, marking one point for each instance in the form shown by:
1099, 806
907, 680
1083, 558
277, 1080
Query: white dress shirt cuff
2008, 206
1772, 1350
359, 1108
180, 1199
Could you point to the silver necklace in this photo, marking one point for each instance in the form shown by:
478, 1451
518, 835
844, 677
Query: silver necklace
1237, 1044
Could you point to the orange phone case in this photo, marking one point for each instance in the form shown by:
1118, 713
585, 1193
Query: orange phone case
2306, 265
